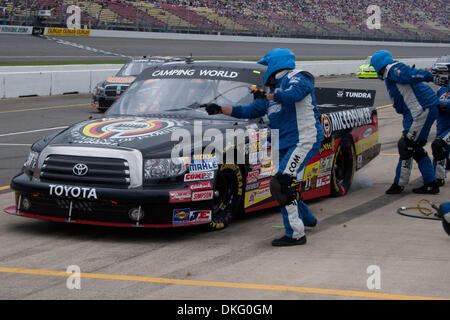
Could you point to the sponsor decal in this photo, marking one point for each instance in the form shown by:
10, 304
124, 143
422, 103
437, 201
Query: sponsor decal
348, 119
367, 133
179, 196
265, 172
200, 216
264, 183
203, 157
253, 157
256, 167
68, 32
326, 124
111, 131
251, 198
207, 175
359, 161
203, 162
200, 186
263, 193
323, 180
253, 186
181, 216
208, 73
294, 164
16, 29
366, 143
327, 146
252, 176
74, 192
340, 94
205, 166
120, 79
353, 94
202, 195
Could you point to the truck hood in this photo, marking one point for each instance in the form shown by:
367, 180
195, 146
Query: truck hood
150, 135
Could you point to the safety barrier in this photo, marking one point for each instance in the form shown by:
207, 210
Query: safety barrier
47, 83
71, 80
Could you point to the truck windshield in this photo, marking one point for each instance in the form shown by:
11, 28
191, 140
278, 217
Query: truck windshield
182, 95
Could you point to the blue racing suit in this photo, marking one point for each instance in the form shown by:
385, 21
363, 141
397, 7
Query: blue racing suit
294, 113
444, 211
417, 103
443, 128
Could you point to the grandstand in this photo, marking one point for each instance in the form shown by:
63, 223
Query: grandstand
401, 20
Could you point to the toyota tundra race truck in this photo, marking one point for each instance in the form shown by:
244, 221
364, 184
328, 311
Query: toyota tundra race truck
119, 170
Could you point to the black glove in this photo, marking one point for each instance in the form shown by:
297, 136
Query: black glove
442, 106
259, 94
212, 108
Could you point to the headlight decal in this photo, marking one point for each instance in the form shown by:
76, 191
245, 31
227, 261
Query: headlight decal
164, 168
32, 160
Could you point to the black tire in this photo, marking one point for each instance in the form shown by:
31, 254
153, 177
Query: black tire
229, 188
344, 167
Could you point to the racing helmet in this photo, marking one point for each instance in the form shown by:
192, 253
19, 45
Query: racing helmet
381, 59
276, 60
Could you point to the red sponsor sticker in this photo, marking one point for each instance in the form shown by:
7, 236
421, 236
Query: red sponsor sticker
180, 196
202, 195
199, 176
252, 176
200, 186
264, 183
323, 180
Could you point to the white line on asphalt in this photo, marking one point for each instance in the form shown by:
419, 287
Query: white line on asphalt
15, 144
31, 131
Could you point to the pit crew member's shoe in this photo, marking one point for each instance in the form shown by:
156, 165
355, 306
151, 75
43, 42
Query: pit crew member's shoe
395, 189
431, 188
286, 241
440, 182
310, 224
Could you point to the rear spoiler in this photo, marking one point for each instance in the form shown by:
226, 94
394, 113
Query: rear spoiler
345, 97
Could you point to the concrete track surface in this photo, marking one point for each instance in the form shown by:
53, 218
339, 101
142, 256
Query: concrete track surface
29, 48
354, 232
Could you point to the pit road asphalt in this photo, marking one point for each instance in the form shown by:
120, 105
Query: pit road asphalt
353, 233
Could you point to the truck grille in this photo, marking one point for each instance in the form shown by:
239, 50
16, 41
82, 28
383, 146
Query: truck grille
100, 171
113, 91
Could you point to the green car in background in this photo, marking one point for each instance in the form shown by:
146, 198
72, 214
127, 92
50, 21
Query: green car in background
366, 71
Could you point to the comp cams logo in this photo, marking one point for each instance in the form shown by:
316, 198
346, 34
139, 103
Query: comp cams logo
124, 129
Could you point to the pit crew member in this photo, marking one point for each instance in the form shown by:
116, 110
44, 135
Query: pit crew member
441, 145
291, 108
417, 103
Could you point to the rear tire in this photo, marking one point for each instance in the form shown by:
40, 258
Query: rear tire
344, 167
229, 188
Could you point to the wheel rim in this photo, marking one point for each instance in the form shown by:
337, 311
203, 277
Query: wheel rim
224, 185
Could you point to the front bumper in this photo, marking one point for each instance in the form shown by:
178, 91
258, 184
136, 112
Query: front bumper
110, 207
102, 102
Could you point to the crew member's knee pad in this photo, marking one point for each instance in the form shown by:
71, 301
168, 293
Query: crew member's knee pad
419, 154
283, 189
405, 149
439, 148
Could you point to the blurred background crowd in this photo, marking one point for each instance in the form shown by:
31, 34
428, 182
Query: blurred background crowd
401, 20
